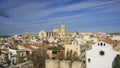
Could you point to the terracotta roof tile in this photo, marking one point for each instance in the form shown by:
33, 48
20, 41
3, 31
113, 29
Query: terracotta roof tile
45, 46
29, 47
110, 41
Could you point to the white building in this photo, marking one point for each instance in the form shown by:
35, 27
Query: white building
42, 34
51, 39
116, 37
33, 40
12, 56
78, 41
100, 56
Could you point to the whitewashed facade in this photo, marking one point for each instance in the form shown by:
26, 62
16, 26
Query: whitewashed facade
100, 56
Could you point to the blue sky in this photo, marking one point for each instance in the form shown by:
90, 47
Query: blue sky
78, 15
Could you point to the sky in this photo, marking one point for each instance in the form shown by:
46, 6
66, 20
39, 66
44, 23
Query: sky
20, 16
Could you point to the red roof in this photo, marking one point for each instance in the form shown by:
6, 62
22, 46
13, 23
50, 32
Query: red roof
110, 41
45, 46
29, 47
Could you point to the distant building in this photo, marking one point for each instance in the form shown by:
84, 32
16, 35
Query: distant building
59, 32
73, 48
42, 34
77, 50
63, 29
56, 30
116, 37
50, 34
101, 56
27, 35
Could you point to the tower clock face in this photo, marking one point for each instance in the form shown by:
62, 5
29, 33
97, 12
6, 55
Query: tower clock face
102, 53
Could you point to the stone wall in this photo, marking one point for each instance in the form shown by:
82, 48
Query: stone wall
27, 64
50, 63
65, 64
76, 64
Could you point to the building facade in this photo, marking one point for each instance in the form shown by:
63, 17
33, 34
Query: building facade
101, 56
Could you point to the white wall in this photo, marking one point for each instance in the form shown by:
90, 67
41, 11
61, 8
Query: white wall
99, 61
115, 37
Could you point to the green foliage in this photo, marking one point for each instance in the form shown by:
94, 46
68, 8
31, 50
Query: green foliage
59, 47
21, 59
117, 62
73, 56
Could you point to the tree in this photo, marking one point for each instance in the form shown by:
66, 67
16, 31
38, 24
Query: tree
69, 55
73, 56
38, 58
116, 63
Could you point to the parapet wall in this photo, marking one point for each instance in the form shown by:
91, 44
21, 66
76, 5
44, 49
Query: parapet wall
50, 63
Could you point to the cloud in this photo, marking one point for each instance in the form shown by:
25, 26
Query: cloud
98, 10
69, 8
2, 14
46, 14
34, 10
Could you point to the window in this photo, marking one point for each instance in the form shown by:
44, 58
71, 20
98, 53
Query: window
53, 57
22, 54
104, 44
101, 53
27, 52
54, 52
101, 44
89, 60
84, 61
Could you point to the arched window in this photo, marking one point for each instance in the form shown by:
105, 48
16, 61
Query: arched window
89, 60
104, 44
101, 44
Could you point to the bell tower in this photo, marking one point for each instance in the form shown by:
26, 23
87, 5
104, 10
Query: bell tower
63, 28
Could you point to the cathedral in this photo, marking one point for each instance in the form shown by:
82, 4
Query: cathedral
60, 31
63, 28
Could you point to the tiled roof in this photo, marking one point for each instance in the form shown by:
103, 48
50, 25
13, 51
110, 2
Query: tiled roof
45, 46
29, 47
110, 41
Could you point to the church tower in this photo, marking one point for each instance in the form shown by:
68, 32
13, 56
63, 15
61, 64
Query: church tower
63, 28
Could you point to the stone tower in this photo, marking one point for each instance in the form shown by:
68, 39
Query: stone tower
63, 28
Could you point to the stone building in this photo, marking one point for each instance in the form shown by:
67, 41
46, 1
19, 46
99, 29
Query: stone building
63, 29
